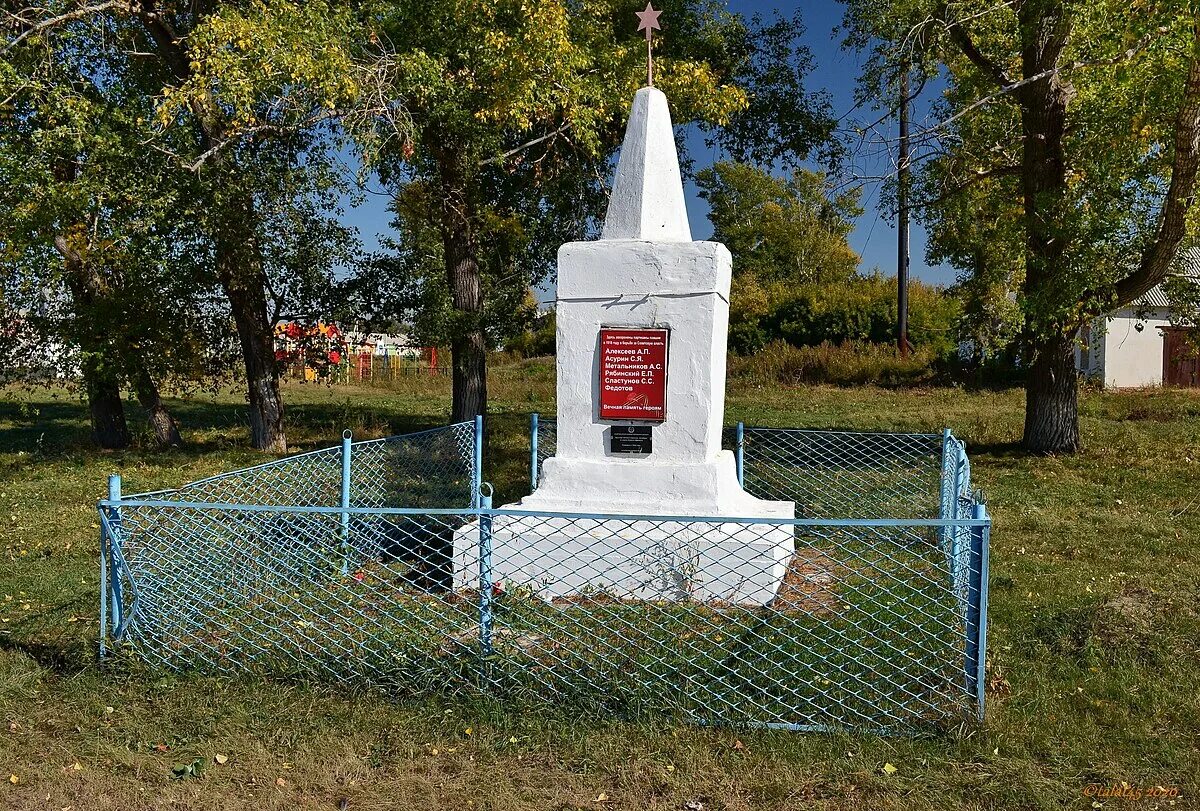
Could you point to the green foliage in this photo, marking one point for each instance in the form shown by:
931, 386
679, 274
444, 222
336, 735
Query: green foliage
491, 72
409, 284
515, 109
97, 235
1123, 67
130, 145
277, 64
539, 341
791, 229
859, 309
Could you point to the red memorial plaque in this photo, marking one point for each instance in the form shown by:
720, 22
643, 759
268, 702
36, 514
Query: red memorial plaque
633, 374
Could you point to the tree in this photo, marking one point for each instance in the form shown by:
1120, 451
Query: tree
408, 283
89, 251
240, 92
515, 109
789, 229
1088, 117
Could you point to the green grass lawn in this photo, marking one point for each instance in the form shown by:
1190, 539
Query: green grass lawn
1094, 668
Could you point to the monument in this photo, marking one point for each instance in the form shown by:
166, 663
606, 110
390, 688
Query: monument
642, 317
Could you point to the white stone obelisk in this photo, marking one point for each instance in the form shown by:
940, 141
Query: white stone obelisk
644, 273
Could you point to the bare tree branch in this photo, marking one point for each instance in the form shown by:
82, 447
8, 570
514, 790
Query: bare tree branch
51, 22
524, 146
249, 132
1011, 170
1128, 53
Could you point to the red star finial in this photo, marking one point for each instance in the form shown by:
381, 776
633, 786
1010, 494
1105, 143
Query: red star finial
648, 22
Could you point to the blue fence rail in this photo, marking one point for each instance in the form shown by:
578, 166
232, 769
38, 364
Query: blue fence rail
820, 622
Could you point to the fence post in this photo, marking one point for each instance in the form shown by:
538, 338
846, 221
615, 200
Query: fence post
347, 437
485, 575
103, 584
977, 608
114, 579
477, 463
740, 454
956, 535
533, 451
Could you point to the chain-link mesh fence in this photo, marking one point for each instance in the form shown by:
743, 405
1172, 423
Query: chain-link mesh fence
817, 622
432, 468
841, 474
828, 474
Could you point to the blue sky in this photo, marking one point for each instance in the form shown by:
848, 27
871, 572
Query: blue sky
835, 70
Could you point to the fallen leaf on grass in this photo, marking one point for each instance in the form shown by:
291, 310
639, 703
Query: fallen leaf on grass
601, 797
221, 759
279, 781
12, 778
889, 769
739, 746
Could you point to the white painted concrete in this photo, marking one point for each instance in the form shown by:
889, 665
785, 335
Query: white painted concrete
647, 195
646, 272
630, 560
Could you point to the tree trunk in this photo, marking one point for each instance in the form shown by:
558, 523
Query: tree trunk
109, 429
101, 378
240, 270
166, 432
468, 345
1052, 398
238, 253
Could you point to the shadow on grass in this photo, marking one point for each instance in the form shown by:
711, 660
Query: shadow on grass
60, 426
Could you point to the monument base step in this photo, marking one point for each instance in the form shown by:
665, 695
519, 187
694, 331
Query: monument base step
630, 559
646, 487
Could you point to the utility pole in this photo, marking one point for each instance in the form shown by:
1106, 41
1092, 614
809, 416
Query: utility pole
902, 220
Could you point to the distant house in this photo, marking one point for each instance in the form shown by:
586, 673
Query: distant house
1141, 344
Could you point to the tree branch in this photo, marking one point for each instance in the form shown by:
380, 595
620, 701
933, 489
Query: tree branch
51, 22
203, 157
1128, 53
1157, 258
960, 37
524, 146
1010, 170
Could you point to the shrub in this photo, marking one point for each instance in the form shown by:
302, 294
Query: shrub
853, 363
861, 309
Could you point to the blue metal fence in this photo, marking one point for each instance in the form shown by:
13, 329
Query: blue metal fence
395, 570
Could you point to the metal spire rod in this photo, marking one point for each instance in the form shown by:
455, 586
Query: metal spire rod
648, 22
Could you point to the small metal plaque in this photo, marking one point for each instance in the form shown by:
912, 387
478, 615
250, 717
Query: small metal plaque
633, 439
